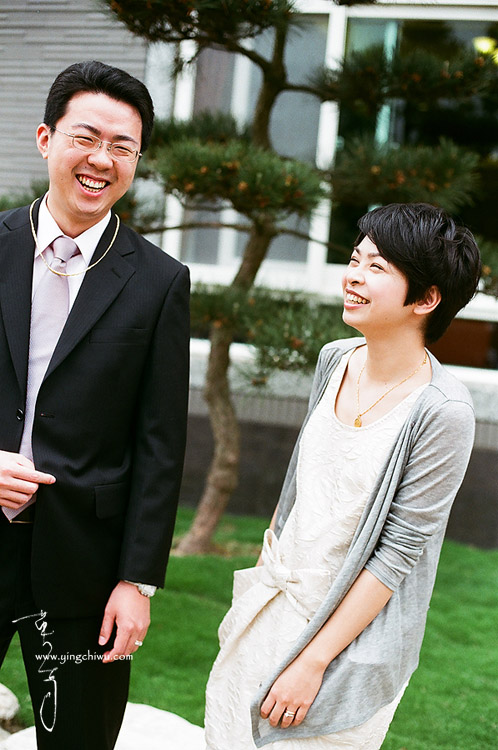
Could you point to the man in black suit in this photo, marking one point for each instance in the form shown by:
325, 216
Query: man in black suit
91, 455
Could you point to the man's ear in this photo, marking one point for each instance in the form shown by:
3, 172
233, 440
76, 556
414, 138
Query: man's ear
43, 134
429, 303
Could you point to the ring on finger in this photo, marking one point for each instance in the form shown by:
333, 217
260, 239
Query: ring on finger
289, 714
139, 643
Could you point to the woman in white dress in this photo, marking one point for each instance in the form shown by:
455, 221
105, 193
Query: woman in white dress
324, 633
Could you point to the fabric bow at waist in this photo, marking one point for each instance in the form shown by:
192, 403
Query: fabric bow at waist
254, 588
305, 588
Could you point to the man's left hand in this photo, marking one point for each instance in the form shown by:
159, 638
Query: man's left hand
129, 610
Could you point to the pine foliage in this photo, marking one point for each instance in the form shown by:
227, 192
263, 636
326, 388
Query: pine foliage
208, 127
367, 79
366, 174
258, 184
205, 21
285, 329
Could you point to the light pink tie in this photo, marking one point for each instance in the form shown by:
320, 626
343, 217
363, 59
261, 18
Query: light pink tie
49, 311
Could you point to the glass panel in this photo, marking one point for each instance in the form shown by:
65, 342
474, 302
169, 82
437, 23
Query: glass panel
295, 117
472, 124
200, 245
284, 247
213, 81
213, 91
294, 124
363, 33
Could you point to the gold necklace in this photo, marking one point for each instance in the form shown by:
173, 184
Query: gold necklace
78, 273
357, 422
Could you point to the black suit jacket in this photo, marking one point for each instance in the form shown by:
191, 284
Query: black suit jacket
110, 419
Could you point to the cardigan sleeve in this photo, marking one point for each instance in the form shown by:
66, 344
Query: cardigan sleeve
422, 502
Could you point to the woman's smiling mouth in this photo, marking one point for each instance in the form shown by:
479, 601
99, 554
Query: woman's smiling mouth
355, 299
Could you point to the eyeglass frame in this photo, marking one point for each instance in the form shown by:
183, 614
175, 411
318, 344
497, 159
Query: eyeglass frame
100, 143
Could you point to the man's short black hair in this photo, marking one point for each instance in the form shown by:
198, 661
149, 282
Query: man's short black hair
98, 78
430, 249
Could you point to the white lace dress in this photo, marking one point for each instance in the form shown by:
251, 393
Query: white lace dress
337, 468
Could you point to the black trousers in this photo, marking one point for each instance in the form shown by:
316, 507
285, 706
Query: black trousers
78, 701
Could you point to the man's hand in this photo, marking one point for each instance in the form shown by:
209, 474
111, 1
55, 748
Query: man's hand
130, 611
19, 479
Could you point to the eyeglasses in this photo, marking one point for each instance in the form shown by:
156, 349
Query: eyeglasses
90, 144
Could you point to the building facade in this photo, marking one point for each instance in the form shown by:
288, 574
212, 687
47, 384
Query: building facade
38, 39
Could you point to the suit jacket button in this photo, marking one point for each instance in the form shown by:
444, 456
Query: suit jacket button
20, 415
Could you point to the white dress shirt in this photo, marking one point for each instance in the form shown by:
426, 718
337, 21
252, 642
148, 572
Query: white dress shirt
48, 231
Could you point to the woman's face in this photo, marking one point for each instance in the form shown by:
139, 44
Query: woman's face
374, 292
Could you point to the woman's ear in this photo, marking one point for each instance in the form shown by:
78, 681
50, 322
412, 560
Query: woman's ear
429, 303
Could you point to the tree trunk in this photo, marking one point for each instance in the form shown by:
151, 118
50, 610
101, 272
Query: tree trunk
222, 478
223, 473
274, 80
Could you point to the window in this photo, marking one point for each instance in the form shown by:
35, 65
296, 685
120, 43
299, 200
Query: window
473, 124
230, 83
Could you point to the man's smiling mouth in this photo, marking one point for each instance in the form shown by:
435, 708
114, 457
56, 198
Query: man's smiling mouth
90, 184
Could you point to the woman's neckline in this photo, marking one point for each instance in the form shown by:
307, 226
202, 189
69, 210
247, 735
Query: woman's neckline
343, 363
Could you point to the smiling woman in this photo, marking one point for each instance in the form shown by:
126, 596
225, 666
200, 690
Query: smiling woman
324, 634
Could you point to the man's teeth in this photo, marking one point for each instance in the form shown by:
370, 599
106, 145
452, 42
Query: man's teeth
356, 300
92, 184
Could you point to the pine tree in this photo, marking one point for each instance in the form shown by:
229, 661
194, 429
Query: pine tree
212, 161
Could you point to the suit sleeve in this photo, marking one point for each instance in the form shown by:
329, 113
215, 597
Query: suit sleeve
159, 444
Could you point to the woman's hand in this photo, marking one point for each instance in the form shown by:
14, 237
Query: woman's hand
293, 691
297, 687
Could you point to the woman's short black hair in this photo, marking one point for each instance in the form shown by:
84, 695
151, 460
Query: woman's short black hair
98, 78
430, 249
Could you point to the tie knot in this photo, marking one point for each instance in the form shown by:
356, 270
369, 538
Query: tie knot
64, 248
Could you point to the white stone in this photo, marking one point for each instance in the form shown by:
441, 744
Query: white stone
144, 726
9, 705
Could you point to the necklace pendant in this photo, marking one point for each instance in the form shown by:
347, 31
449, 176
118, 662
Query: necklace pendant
357, 422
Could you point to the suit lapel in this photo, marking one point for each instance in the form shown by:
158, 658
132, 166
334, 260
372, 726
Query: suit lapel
99, 289
16, 272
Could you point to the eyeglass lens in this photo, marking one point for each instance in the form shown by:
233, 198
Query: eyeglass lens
92, 143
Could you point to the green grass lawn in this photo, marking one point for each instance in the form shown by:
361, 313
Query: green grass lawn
452, 700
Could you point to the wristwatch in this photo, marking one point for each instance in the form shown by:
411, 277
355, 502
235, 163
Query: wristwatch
146, 589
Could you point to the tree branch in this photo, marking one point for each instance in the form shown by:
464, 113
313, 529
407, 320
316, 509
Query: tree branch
241, 228
195, 225
304, 236
304, 88
251, 54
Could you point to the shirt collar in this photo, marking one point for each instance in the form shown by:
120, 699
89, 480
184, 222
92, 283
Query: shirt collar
48, 230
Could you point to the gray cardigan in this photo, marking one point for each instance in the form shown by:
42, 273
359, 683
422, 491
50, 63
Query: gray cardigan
398, 540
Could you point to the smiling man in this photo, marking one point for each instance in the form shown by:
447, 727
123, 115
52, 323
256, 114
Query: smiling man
94, 331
